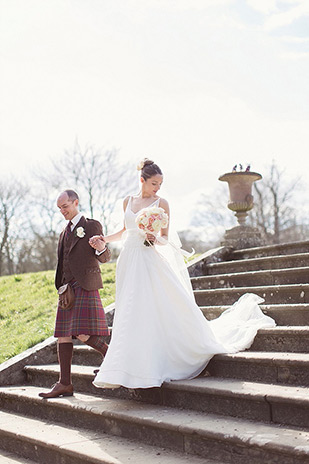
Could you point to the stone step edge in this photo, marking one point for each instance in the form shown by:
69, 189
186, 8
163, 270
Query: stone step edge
205, 426
262, 357
41, 447
272, 247
214, 385
287, 287
250, 273
91, 446
259, 259
243, 389
282, 313
265, 307
285, 330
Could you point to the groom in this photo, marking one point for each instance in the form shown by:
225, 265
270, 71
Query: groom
78, 264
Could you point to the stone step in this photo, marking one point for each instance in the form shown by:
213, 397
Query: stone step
282, 339
298, 275
280, 404
272, 294
272, 250
225, 439
289, 314
230, 397
48, 443
252, 366
46, 375
11, 458
83, 355
258, 264
293, 339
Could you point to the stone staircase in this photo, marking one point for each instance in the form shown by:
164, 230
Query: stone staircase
251, 406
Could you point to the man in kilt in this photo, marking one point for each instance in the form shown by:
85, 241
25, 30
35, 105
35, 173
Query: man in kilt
78, 264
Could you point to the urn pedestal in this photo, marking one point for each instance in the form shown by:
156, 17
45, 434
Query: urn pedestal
241, 201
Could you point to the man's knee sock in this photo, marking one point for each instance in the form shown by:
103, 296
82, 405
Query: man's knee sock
98, 343
65, 352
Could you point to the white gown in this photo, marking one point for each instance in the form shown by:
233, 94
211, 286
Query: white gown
159, 333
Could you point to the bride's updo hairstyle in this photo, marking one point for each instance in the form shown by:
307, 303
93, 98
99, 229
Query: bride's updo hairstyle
148, 169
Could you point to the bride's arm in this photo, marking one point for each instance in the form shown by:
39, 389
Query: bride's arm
114, 237
164, 204
117, 235
163, 237
98, 240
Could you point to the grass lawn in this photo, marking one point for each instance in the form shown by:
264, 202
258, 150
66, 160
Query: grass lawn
28, 304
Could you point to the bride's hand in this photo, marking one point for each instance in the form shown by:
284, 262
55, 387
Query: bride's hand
150, 237
97, 242
93, 239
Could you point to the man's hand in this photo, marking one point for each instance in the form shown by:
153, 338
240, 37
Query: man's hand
97, 242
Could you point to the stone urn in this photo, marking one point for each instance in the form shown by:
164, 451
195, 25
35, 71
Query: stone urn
241, 201
241, 198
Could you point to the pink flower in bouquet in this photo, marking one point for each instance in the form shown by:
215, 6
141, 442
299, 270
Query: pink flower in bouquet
151, 220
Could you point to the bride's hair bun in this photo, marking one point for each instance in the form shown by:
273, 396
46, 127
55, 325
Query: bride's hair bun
142, 164
148, 168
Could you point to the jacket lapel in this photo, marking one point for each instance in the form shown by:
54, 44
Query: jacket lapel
60, 244
81, 223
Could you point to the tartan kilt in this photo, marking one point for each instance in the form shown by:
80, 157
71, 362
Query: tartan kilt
86, 317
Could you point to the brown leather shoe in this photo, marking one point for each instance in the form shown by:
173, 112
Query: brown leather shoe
58, 390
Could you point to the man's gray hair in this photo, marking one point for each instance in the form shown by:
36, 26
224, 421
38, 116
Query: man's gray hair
72, 195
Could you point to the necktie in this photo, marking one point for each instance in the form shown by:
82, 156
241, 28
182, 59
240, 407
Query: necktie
68, 230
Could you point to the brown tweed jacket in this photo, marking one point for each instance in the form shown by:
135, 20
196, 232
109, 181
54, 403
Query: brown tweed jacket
83, 261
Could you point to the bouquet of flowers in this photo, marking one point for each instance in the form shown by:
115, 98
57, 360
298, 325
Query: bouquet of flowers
151, 220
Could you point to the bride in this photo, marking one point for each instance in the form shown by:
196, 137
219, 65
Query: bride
159, 333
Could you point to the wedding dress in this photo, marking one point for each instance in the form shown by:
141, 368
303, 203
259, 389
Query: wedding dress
159, 333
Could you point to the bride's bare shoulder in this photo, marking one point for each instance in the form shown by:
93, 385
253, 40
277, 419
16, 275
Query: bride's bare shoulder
126, 201
164, 204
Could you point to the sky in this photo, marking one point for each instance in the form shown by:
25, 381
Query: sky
195, 85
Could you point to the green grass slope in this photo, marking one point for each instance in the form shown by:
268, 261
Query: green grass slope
28, 304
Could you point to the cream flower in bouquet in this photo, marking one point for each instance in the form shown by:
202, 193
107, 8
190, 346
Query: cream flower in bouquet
151, 220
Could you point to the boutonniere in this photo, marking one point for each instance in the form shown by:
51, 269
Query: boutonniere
80, 232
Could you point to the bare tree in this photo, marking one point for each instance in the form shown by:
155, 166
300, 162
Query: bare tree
12, 208
212, 215
38, 253
273, 212
38, 249
97, 175
29, 230
99, 179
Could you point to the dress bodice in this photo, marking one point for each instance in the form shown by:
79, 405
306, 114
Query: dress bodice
133, 236
130, 216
